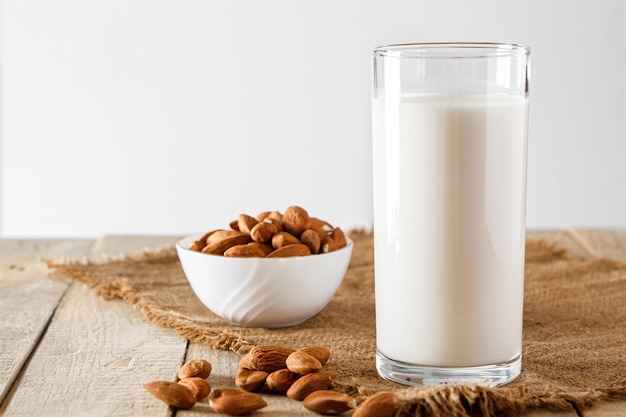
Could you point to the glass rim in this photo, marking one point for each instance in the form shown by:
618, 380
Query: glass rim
451, 50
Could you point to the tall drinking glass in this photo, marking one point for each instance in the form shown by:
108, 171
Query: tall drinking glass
449, 153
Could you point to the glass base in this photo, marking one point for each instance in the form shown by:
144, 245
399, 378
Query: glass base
418, 375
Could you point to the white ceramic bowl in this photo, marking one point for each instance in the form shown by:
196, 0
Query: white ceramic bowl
264, 292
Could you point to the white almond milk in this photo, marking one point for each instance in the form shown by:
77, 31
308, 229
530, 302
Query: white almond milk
449, 223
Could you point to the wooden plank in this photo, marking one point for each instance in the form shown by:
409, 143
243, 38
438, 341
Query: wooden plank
606, 243
96, 354
610, 244
27, 299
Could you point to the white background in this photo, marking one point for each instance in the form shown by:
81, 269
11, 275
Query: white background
171, 117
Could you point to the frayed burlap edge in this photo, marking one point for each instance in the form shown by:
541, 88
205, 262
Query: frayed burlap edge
124, 290
477, 400
441, 401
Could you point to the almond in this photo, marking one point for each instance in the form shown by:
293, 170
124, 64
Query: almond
328, 402
264, 247
296, 220
276, 215
198, 386
320, 232
310, 238
246, 223
381, 404
218, 247
197, 245
321, 224
291, 250
234, 402
281, 380
281, 239
207, 235
277, 223
262, 216
269, 358
263, 232
302, 363
250, 380
245, 251
171, 393
218, 235
328, 245
245, 363
309, 383
196, 367
339, 237
234, 225
319, 352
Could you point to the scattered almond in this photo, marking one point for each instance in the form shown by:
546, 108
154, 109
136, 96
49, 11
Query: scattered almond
269, 358
302, 363
319, 352
309, 383
171, 393
235, 402
381, 404
281, 380
198, 386
328, 402
196, 367
250, 380
245, 363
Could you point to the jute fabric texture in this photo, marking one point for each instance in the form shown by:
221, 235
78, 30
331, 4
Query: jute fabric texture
574, 343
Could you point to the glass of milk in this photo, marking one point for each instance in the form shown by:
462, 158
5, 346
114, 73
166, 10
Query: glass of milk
449, 157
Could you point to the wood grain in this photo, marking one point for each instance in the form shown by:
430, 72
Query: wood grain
95, 356
27, 299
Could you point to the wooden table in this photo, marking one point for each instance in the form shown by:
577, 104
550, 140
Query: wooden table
64, 351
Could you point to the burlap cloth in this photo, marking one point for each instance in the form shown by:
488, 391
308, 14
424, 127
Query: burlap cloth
574, 350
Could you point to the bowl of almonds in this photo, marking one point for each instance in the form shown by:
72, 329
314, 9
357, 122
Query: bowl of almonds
269, 270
